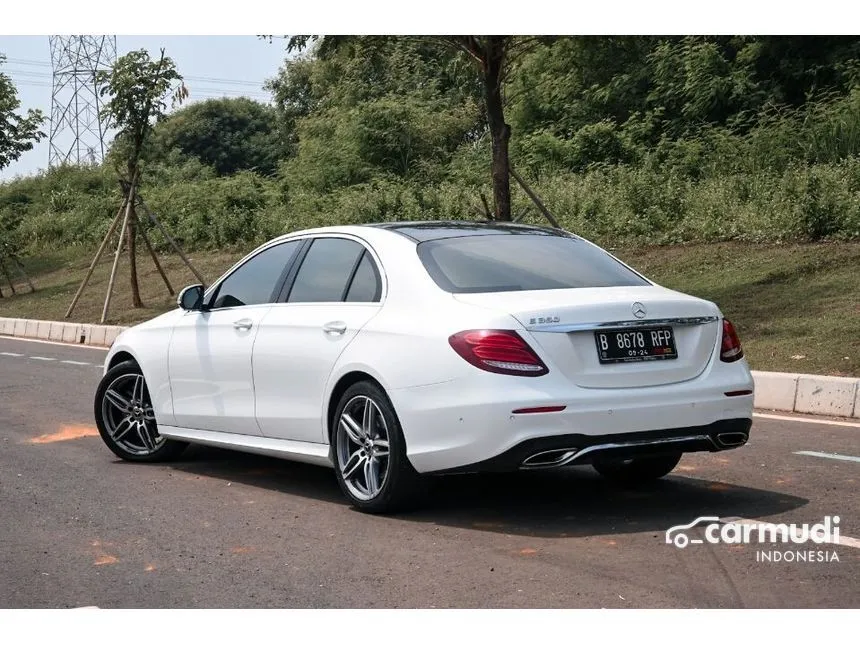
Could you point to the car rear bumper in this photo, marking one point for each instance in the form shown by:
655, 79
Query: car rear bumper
543, 453
466, 424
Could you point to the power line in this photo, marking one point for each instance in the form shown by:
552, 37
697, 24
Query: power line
27, 61
32, 83
205, 79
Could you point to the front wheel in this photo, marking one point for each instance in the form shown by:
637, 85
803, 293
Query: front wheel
125, 417
637, 470
370, 452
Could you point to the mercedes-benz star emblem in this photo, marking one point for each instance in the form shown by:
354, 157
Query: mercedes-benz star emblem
638, 309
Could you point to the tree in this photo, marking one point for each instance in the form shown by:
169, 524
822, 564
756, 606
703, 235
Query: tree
493, 56
17, 133
137, 87
228, 134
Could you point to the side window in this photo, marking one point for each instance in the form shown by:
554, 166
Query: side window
254, 282
365, 286
326, 270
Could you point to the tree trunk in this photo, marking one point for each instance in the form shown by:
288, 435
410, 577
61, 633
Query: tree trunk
500, 132
132, 259
132, 168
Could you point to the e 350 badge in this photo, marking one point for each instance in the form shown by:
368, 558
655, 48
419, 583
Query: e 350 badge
543, 321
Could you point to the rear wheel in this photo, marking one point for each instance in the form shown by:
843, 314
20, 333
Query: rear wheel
125, 417
370, 453
637, 470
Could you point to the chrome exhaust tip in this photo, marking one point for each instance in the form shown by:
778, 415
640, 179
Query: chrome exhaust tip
548, 458
731, 439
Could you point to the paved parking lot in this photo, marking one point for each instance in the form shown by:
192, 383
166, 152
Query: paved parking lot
220, 529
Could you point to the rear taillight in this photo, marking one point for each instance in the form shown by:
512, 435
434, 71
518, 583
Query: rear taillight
498, 350
731, 349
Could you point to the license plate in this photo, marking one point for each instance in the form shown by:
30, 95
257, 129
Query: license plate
632, 345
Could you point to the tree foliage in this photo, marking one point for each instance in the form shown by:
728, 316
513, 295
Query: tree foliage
493, 56
137, 88
645, 138
17, 133
227, 134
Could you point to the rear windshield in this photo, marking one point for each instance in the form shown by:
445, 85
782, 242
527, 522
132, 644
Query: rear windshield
488, 263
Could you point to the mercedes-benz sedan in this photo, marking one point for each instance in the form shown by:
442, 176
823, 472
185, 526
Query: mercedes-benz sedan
399, 350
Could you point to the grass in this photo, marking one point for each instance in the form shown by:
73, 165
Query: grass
58, 275
796, 306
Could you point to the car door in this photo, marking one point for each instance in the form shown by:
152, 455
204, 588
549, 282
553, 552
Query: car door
211, 380
336, 288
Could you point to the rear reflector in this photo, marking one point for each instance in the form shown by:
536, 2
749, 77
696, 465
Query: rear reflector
546, 408
502, 351
738, 392
731, 349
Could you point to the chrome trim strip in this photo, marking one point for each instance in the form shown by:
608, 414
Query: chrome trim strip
577, 454
563, 328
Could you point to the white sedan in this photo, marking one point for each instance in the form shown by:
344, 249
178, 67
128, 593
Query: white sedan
393, 351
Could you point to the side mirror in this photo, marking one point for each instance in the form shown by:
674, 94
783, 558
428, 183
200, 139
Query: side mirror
191, 298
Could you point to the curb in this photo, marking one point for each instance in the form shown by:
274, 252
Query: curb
61, 332
834, 396
808, 393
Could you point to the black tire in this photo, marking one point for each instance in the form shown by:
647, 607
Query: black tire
638, 470
401, 485
136, 422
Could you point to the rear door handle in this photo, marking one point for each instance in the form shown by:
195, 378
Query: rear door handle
335, 328
244, 324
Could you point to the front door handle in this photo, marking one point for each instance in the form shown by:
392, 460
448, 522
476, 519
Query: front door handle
244, 324
335, 328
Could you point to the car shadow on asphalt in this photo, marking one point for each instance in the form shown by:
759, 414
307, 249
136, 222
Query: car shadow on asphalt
573, 502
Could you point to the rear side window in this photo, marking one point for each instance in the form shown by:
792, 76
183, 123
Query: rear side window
365, 285
326, 270
254, 282
489, 263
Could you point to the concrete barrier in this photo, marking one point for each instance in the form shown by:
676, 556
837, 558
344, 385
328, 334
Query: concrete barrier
826, 395
775, 390
61, 332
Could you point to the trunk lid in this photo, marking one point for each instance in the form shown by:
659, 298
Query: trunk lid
562, 324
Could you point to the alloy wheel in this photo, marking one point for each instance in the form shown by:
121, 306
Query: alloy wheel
363, 447
128, 415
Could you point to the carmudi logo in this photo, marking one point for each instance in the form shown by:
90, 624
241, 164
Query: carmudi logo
741, 531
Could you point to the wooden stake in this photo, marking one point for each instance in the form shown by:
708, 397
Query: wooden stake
487, 211
6, 274
21, 270
97, 257
128, 208
543, 209
170, 240
155, 259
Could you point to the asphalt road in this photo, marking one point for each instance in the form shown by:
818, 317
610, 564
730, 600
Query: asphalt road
220, 529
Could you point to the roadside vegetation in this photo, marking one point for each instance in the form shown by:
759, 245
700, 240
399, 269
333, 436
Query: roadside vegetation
716, 154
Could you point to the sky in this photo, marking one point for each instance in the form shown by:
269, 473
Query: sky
212, 66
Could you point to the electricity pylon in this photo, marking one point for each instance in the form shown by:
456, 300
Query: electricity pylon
77, 129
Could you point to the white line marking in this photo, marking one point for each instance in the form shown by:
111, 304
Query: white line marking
76, 363
42, 358
825, 422
844, 540
10, 354
827, 455
53, 342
